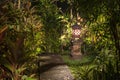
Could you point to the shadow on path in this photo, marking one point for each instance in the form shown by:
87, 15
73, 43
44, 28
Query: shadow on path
49, 66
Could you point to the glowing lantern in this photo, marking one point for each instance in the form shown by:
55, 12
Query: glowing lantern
76, 31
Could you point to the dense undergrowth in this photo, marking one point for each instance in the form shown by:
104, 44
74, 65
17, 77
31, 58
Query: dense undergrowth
93, 67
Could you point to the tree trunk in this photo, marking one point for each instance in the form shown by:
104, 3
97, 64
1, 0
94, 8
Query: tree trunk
19, 4
113, 27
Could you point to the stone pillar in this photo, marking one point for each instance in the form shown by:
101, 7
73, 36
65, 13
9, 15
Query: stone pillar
76, 49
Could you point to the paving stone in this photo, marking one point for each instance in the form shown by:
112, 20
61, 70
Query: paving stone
53, 68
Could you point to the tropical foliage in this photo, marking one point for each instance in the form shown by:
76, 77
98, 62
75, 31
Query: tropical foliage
30, 27
102, 37
16, 48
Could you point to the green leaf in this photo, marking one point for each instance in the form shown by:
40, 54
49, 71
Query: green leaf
38, 49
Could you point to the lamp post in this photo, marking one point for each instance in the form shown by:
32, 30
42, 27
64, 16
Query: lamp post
75, 51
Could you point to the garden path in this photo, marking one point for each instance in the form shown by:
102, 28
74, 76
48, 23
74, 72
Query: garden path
52, 67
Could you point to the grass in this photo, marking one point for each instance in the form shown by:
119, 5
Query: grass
87, 59
79, 67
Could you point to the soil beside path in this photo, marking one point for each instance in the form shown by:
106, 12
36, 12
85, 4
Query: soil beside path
52, 67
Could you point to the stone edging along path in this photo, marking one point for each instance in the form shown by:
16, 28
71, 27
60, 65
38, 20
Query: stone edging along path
52, 67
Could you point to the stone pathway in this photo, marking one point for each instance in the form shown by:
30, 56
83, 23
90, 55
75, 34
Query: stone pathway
52, 67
